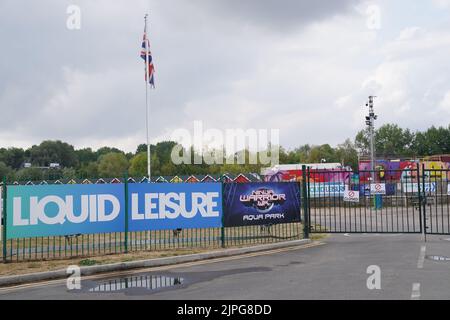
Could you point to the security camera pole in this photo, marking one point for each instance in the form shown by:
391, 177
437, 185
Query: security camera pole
370, 121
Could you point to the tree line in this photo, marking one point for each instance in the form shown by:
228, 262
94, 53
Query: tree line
390, 141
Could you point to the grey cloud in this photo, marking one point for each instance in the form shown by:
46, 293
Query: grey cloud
215, 61
277, 15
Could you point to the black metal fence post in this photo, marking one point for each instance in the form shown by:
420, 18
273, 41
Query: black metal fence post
222, 228
305, 204
126, 211
4, 242
423, 201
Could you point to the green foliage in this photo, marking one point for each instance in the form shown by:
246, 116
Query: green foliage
393, 141
27, 174
12, 157
88, 170
5, 171
112, 164
138, 165
53, 151
87, 262
390, 141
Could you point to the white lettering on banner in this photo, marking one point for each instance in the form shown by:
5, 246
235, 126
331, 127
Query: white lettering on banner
172, 205
378, 188
17, 209
414, 187
92, 207
351, 196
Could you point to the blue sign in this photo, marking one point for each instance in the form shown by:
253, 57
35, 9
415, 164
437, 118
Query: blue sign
159, 206
261, 203
50, 210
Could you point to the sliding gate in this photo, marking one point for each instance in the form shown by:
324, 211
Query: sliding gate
436, 200
413, 200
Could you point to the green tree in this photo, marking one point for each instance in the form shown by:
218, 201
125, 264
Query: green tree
85, 156
322, 153
104, 150
432, 141
5, 171
89, 170
112, 164
347, 154
138, 165
391, 140
53, 151
69, 173
12, 157
30, 174
362, 142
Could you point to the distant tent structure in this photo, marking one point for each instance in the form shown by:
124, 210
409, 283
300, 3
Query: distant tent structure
241, 179
161, 179
226, 178
208, 178
192, 179
115, 180
176, 179
144, 180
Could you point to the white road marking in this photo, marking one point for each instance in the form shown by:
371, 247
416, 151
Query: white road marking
421, 257
415, 294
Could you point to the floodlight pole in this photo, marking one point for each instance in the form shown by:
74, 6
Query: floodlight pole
370, 121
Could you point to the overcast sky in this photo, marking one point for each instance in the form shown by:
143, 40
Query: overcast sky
303, 67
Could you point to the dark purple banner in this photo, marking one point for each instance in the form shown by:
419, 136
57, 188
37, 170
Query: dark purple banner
261, 203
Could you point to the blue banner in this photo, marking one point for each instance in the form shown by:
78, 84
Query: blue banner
52, 210
261, 203
159, 206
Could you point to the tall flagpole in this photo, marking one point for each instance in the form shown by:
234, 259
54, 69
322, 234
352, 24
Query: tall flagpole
146, 100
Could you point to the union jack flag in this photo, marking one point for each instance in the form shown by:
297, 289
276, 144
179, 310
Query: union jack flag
151, 68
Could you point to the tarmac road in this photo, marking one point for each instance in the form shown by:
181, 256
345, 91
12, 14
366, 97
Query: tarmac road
334, 270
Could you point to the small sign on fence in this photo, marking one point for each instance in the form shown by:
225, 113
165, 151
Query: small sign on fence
411, 187
326, 189
448, 189
351, 196
377, 188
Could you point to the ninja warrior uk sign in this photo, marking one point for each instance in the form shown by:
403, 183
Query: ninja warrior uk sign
261, 203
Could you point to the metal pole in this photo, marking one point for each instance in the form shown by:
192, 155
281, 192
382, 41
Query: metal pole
4, 242
372, 144
370, 121
126, 211
222, 229
423, 202
305, 204
146, 100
